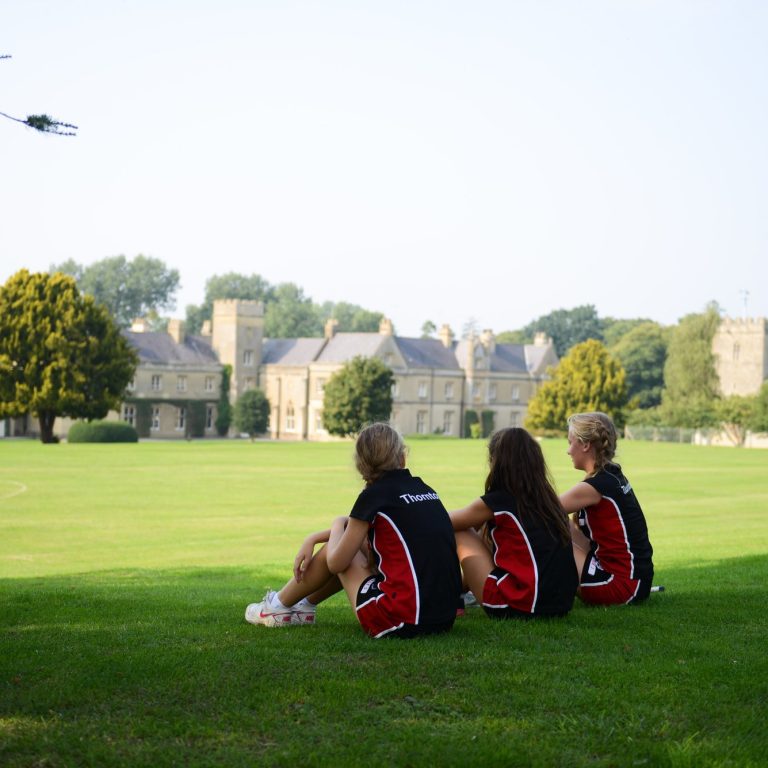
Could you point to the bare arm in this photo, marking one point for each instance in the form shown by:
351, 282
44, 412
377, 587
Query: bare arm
580, 496
471, 516
347, 537
306, 552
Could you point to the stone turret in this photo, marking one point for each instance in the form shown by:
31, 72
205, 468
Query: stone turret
238, 328
740, 348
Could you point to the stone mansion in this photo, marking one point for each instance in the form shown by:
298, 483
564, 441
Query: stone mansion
176, 387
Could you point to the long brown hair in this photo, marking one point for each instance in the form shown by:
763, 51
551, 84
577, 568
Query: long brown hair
517, 467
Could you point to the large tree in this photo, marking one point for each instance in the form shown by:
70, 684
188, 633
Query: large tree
567, 327
350, 317
642, 352
357, 394
588, 378
128, 289
61, 354
691, 387
291, 314
251, 414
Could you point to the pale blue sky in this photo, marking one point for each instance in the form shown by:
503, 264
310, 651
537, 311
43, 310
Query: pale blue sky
431, 160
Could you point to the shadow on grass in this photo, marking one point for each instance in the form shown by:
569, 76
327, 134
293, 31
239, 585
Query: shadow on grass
160, 668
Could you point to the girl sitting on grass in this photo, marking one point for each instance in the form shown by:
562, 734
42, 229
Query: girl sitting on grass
395, 555
523, 566
610, 535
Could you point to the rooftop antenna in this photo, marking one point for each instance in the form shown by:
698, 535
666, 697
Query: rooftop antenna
745, 298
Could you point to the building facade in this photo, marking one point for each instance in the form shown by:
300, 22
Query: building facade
176, 390
740, 348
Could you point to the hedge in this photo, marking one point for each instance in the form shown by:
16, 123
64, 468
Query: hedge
102, 432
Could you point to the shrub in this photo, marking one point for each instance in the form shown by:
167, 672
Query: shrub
102, 432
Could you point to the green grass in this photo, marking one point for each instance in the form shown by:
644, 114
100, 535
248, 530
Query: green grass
125, 569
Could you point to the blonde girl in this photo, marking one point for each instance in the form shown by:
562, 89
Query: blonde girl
610, 536
394, 555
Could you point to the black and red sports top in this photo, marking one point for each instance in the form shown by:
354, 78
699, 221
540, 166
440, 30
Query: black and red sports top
413, 542
540, 573
616, 526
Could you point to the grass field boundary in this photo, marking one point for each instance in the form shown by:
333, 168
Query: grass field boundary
20, 488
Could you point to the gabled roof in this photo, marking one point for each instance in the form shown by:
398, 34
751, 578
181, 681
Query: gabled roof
344, 346
508, 358
159, 347
291, 351
538, 358
427, 353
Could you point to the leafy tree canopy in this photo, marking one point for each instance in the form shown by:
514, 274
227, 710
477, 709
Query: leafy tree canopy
231, 285
61, 354
567, 327
614, 329
251, 414
128, 289
350, 317
735, 415
642, 352
691, 385
759, 420
513, 337
428, 329
288, 313
291, 314
357, 394
588, 378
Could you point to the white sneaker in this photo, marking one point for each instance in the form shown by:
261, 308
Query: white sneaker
303, 613
264, 613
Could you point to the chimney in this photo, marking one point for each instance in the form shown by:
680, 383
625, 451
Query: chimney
330, 328
446, 335
540, 339
140, 325
385, 327
176, 330
206, 329
488, 340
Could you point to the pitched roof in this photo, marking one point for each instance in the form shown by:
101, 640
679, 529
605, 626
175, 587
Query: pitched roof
291, 351
159, 347
344, 346
427, 353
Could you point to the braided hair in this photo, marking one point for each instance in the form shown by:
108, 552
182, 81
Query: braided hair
598, 430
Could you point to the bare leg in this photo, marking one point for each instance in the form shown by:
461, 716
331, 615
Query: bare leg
354, 575
476, 561
317, 582
581, 547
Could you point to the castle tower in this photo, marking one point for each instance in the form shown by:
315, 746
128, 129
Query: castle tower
238, 331
740, 348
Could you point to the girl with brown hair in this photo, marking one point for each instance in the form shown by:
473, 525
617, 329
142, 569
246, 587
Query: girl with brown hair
522, 567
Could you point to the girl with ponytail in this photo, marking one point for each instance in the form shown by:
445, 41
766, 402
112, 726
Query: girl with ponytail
610, 536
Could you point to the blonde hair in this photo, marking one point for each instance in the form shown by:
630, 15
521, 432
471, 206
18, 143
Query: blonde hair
379, 448
598, 430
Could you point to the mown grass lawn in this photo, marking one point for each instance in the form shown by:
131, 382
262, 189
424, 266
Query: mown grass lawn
125, 570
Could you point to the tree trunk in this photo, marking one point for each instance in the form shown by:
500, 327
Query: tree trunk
47, 419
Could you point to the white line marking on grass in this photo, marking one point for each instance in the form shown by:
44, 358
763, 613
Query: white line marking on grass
20, 488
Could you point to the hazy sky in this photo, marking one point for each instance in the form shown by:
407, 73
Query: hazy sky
488, 160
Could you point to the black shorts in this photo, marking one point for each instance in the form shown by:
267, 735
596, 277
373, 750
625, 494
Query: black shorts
379, 623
